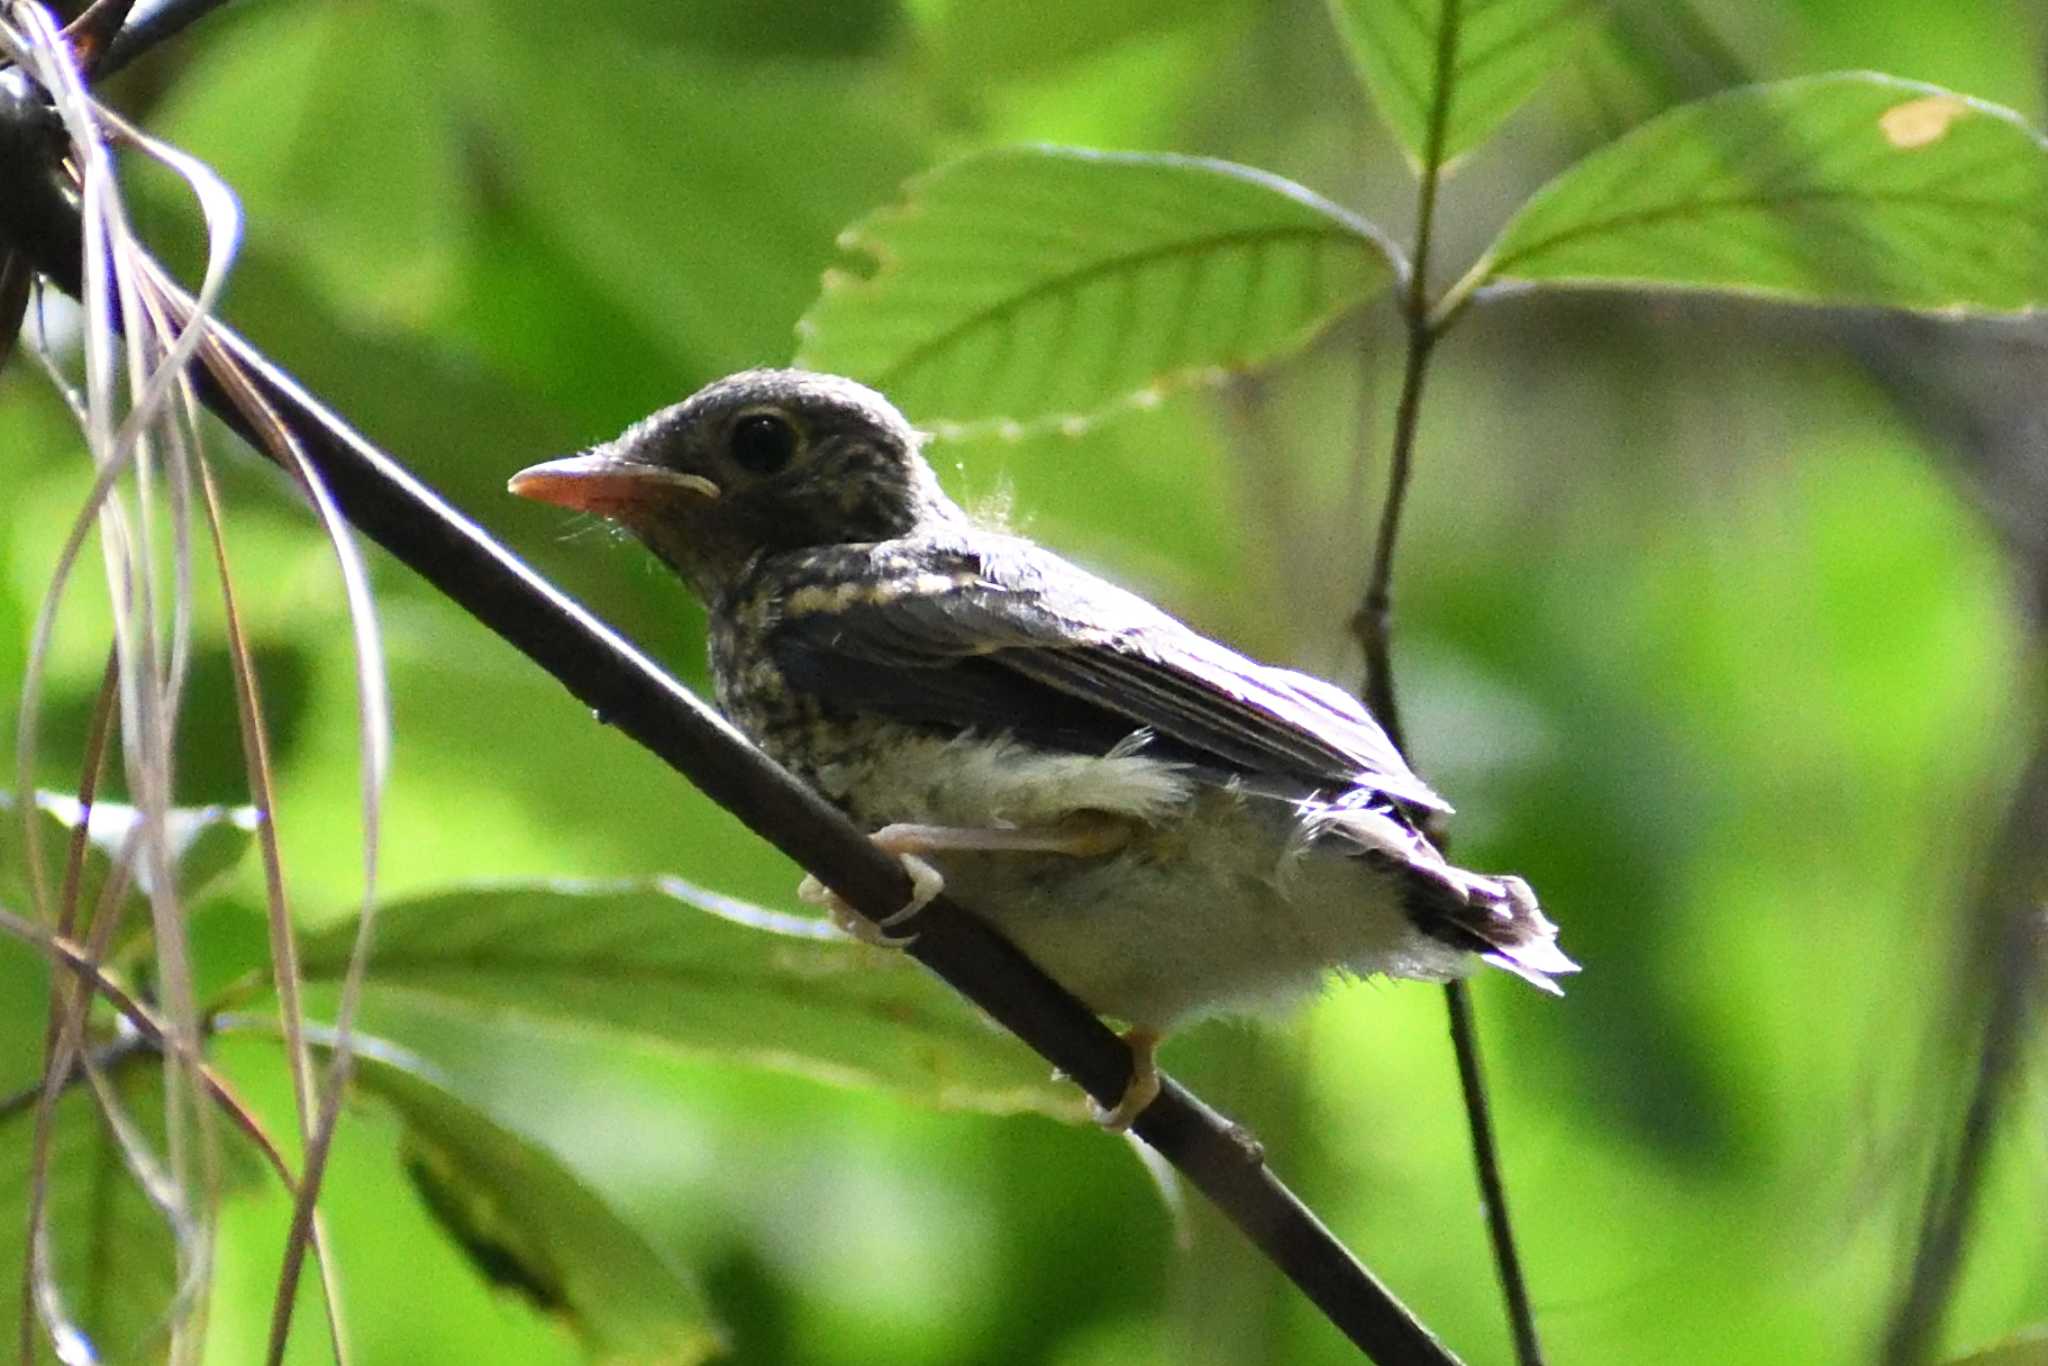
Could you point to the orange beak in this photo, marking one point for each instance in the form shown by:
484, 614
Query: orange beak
606, 484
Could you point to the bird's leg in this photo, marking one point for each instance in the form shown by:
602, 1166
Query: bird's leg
1143, 1087
1083, 837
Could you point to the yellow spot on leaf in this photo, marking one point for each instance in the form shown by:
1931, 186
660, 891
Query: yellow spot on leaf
1916, 123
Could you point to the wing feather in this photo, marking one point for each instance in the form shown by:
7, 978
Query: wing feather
1007, 636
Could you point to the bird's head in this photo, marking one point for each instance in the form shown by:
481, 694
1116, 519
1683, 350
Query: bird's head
764, 460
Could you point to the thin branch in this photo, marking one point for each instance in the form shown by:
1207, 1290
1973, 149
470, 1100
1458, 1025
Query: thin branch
146, 1034
1374, 623
91, 31
107, 1056
15, 280
1374, 627
2008, 973
1493, 1191
149, 24
630, 692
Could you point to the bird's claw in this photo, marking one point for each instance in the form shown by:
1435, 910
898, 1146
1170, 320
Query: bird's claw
1140, 1091
925, 884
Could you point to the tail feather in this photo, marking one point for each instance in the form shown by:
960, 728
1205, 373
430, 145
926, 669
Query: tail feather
1496, 917
1502, 912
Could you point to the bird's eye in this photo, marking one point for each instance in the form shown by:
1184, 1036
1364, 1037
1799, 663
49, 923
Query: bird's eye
763, 443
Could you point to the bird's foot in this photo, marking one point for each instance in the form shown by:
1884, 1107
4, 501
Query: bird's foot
925, 883
1143, 1087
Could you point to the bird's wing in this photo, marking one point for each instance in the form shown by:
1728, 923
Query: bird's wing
1003, 636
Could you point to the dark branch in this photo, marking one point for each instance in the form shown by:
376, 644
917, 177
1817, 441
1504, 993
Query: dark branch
95, 27
149, 24
625, 689
1374, 623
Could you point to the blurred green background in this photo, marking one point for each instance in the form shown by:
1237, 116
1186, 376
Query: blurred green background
1705, 625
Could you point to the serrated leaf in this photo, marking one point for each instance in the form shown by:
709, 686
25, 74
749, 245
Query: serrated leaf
207, 842
1500, 51
530, 1226
1040, 285
665, 964
1848, 189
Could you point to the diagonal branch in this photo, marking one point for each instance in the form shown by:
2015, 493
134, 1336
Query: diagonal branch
627, 690
149, 24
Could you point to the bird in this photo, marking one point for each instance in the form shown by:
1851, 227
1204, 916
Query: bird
1166, 827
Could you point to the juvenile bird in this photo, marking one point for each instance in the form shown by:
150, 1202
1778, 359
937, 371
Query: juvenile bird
1164, 826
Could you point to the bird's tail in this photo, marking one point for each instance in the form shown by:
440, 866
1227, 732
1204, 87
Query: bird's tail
1494, 917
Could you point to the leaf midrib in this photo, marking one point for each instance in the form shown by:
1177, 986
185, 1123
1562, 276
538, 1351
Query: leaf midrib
1131, 262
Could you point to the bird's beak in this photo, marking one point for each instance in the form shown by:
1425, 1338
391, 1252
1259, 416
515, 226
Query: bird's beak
607, 484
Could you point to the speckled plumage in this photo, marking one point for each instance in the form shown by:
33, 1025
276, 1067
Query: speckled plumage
917, 668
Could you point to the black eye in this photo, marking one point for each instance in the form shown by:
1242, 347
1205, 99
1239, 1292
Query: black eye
763, 442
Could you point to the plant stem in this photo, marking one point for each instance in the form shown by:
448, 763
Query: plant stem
1375, 630
1375, 620
1374, 625
2006, 977
1493, 1191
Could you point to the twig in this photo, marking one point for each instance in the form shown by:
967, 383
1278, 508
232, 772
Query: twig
2009, 967
15, 279
95, 27
1374, 626
105, 1057
149, 24
628, 691
1493, 1192
145, 1034
1374, 623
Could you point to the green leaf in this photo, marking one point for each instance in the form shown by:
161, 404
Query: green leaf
375, 217
229, 943
207, 842
1500, 52
1042, 285
1841, 189
669, 965
529, 1225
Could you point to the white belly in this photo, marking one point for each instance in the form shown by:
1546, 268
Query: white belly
1212, 905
